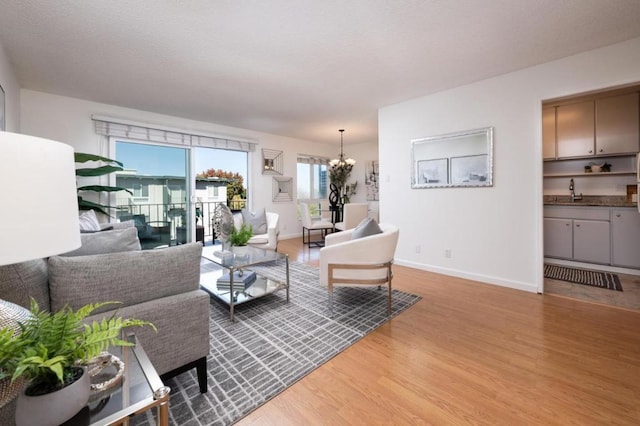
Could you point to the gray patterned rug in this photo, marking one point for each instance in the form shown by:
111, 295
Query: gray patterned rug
583, 276
273, 344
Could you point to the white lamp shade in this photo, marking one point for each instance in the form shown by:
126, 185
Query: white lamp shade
39, 208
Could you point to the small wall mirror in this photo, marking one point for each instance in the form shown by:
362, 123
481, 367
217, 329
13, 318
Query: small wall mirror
282, 189
461, 159
272, 162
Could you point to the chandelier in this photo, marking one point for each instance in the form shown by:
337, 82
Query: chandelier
341, 162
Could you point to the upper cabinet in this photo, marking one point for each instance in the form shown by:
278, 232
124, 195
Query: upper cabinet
575, 129
549, 133
617, 124
599, 125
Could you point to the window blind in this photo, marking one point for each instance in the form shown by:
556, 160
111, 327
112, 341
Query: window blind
123, 129
307, 159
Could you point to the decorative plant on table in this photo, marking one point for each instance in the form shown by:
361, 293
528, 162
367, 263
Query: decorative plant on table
240, 237
111, 166
49, 346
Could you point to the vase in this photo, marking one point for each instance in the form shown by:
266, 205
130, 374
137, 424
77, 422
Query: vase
239, 250
56, 407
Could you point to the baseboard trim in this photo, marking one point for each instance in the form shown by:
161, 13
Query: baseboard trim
517, 285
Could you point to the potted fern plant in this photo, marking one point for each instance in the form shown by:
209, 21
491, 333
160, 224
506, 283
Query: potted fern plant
240, 237
48, 351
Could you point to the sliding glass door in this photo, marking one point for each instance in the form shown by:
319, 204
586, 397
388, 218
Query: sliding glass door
174, 190
157, 178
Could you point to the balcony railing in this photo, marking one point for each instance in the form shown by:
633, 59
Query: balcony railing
163, 224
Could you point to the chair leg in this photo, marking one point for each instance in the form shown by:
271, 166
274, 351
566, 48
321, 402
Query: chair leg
330, 299
390, 276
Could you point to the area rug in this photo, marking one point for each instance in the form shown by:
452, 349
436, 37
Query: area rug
583, 276
273, 344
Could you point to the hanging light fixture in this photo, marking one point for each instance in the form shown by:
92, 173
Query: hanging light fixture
341, 161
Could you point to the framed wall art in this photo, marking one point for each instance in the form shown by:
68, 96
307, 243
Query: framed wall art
460, 159
282, 189
272, 162
433, 172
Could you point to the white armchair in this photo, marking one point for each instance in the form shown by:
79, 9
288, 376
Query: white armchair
269, 240
361, 262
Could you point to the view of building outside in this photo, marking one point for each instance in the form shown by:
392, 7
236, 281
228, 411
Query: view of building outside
156, 176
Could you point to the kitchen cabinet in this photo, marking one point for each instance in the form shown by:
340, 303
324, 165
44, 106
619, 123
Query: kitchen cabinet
591, 241
558, 238
575, 129
549, 133
617, 124
625, 237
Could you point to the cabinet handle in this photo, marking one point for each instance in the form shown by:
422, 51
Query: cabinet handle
578, 225
590, 151
601, 150
618, 215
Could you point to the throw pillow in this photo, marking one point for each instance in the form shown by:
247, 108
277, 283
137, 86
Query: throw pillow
89, 221
107, 242
367, 227
258, 221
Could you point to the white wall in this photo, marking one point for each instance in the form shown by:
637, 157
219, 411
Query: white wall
494, 234
11, 88
69, 120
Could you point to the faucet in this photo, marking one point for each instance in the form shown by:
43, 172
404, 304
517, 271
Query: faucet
574, 197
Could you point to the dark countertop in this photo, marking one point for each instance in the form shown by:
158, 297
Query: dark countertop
589, 201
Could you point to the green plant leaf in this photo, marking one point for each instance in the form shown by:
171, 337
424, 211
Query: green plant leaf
102, 188
81, 157
98, 171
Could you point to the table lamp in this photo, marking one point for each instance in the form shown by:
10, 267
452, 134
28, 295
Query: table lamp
38, 212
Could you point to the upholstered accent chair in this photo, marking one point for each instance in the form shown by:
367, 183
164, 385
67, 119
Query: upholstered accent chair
353, 213
364, 261
309, 225
268, 239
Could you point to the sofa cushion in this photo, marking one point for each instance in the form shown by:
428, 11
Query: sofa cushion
22, 281
258, 221
365, 228
88, 221
113, 241
128, 277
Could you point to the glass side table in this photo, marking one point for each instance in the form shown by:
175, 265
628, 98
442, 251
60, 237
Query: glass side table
140, 390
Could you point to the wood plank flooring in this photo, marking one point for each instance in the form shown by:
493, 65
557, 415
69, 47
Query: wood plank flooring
472, 353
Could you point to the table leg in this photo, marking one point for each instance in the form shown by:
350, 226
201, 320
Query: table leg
287, 263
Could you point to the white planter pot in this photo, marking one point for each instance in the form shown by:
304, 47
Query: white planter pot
53, 408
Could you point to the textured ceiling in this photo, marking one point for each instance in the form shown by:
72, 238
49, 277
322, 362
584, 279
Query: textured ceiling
301, 68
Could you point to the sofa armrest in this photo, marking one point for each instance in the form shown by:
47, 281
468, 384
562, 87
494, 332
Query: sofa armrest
129, 277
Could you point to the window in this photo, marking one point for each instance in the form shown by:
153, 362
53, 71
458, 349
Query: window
212, 192
312, 180
141, 190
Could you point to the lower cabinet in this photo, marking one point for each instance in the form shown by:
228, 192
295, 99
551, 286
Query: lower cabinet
573, 239
591, 241
609, 236
625, 237
558, 238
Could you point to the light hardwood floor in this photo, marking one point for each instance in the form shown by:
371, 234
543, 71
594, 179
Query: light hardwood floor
472, 353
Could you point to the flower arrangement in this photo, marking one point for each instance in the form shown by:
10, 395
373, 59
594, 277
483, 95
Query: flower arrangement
339, 170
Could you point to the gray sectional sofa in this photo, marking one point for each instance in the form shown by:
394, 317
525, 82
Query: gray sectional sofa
161, 286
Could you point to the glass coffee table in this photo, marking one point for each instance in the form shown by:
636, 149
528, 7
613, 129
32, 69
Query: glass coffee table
236, 265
